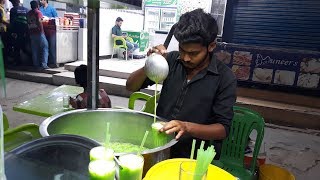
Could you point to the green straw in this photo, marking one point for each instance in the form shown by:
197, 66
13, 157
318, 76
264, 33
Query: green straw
143, 141
204, 158
108, 136
192, 149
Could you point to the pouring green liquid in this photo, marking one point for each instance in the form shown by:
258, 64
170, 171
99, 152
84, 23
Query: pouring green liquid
155, 103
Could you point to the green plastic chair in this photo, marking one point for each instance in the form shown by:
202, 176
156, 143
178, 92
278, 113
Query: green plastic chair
149, 105
14, 137
2, 72
5, 122
122, 45
233, 147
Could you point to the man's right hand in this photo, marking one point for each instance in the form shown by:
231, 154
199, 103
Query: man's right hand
160, 49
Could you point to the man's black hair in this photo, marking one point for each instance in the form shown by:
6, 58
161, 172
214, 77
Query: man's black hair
80, 75
34, 4
119, 19
196, 27
15, 2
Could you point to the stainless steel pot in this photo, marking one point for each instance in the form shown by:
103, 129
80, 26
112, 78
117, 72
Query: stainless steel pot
125, 126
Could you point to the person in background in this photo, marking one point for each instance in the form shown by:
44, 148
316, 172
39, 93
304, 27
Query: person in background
18, 29
80, 101
50, 32
199, 93
39, 43
48, 10
117, 32
3, 28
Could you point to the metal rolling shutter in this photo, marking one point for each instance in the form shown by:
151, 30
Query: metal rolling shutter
293, 24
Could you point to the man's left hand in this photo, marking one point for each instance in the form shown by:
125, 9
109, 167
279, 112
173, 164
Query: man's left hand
173, 126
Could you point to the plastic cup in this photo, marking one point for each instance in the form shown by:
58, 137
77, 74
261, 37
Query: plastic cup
159, 138
262, 154
102, 170
187, 169
65, 102
132, 167
101, 153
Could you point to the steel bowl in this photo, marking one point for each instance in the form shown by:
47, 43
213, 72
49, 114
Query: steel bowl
125, 126
156, 68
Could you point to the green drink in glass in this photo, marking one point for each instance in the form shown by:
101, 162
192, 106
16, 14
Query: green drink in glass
102, 153
102, 170
159, 138
132, 167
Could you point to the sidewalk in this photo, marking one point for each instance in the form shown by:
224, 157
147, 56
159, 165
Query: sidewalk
296, 150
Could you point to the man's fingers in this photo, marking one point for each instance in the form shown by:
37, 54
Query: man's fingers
172, 130
179, 134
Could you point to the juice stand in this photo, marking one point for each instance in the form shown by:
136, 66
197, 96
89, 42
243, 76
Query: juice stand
66, 37
128, 125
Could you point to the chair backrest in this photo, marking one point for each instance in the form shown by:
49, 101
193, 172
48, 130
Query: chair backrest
150, 101
243, 123
122, 45
151, 104
5, 122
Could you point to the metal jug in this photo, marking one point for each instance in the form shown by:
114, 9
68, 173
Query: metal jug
156, 68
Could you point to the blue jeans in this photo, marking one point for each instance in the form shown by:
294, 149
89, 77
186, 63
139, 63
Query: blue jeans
131, 46
52, 48
39, 48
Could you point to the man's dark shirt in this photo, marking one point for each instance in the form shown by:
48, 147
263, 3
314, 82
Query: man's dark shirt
206, 99
116, 30
18, 19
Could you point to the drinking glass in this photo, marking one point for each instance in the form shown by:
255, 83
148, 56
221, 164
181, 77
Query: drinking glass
102, 170
187, 171
66, 102
132, 167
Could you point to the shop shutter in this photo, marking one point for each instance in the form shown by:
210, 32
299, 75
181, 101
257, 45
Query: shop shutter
293, 24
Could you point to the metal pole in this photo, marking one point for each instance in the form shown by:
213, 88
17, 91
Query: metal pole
93, 52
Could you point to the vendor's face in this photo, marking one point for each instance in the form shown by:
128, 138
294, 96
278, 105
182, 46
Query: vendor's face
194, 54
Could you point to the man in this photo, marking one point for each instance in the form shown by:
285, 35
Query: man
3, 28
117, 32
47, 10
199, 92
18, 29
50, 32
39, 43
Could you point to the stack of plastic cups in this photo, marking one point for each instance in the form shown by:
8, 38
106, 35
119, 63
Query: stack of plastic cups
102, 165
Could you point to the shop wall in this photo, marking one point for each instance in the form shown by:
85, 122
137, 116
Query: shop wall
133, 21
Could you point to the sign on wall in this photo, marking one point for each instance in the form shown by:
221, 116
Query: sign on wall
160, 2
272, 66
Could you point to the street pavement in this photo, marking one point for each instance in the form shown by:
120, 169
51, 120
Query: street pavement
297, 150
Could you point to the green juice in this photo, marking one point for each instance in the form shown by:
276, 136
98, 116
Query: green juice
155, 103
132, 167
120, 147
102, 170
159, 138
102, 153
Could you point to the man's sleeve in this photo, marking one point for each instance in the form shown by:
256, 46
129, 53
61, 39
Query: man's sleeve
114, 31
54, 12
12, 13
224, 101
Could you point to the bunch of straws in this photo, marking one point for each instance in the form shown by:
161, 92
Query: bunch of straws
204, 158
